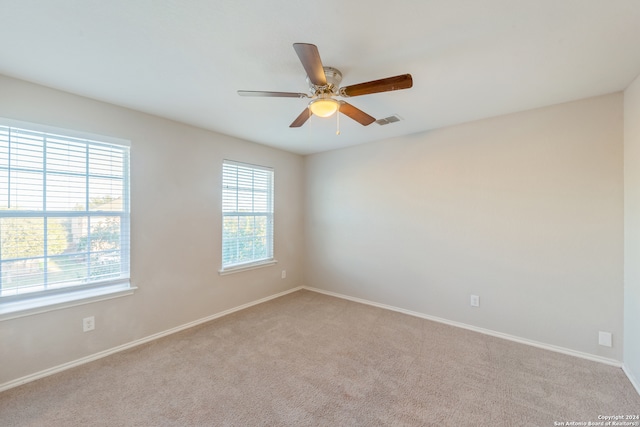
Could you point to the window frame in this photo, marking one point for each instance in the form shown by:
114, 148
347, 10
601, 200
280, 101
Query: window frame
63, 294
254, 263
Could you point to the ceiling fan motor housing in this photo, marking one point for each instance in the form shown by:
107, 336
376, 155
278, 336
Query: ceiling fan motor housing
333, 76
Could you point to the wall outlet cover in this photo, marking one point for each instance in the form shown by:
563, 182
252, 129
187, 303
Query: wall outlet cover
605, 339
88, 324
475, 301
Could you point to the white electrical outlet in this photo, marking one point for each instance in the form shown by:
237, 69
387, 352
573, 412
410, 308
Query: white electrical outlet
475, 301
284, 274
605, 339
88, 324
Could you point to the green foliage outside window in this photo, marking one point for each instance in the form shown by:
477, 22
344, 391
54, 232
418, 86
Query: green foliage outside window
24, 237
246, 237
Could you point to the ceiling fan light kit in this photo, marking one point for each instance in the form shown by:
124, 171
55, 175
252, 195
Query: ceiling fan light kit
324, 107
323, 86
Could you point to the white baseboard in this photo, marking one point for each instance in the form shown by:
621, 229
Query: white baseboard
634, 381
514, 338
104, 353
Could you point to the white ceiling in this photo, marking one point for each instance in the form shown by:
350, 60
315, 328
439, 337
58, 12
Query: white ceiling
185, 60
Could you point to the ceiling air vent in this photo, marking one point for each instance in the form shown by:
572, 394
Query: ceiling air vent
387, 120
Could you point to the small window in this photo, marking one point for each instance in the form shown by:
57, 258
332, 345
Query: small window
64, 213
247, 215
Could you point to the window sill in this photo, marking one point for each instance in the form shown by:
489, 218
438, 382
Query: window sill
37, 305
245, 267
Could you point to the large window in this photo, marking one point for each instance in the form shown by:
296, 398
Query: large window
64, 213
247, 215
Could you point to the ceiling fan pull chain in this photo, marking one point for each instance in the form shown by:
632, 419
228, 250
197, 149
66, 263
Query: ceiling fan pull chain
338, 120
309, 127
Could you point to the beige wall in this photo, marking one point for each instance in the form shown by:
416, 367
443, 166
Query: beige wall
632, 231
175, 226
524, 210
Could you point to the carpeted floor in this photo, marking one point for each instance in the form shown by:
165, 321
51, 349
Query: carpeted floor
308, 359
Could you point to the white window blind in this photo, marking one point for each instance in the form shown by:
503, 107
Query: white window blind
247, 214
64, 213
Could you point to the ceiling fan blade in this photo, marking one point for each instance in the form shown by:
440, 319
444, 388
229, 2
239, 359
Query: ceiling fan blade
310, 58
404, 81
273, 94
356, 114
301, 119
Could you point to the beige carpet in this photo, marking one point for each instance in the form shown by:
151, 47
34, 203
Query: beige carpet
308, 359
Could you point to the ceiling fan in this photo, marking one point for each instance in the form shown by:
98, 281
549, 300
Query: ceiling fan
323, 87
